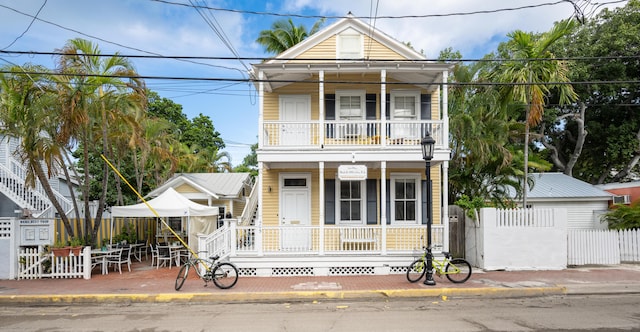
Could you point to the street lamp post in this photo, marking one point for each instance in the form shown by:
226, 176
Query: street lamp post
427, 154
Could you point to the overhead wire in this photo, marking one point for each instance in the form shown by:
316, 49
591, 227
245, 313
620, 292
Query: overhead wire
28, 27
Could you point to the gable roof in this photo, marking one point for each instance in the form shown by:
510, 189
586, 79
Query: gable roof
410, 67
217, 185
341, 25
558, 185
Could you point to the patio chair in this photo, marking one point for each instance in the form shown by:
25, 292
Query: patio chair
154, 254
123, 258
164, 256
114, 258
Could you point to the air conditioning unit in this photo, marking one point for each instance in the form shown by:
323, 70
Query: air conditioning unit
622, 199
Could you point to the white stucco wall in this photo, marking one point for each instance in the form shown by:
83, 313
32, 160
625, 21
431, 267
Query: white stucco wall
538, 243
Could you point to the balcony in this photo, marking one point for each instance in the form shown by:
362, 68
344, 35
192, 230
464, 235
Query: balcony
355, 134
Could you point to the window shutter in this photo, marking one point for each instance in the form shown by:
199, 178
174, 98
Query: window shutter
388, 202
330, 113
330, 202
371, 106
425, 107
388, 106
372, 202
425, 204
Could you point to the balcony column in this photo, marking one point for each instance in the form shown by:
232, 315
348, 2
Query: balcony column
445, 110
258, 225
321, 130
383, 108
445, 203
260, 109
383, 205
321, 207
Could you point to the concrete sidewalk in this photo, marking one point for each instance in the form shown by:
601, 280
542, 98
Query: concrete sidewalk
147, 284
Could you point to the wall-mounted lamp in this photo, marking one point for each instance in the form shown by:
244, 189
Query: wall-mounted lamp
269, 189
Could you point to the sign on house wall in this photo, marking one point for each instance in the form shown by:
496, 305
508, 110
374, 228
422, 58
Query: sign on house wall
352, 172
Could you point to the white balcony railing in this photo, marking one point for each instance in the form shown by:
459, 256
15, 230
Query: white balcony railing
337, 133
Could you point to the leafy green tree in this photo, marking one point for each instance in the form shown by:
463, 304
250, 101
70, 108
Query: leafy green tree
284, 34
249, 163
608, 46
623, 216
28, 113
202, 133
530, 76
98, 91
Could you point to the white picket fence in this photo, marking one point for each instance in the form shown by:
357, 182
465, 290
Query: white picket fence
603, 246
34, 263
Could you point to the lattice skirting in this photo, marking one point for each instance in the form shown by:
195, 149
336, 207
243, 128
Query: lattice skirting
311, 271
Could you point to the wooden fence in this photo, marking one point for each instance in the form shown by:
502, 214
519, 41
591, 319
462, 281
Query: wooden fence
35, 263
603, 246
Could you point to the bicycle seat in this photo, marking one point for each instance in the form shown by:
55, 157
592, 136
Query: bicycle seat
214, 258
446, 254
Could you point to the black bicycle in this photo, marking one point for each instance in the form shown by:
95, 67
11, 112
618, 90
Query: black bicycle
223, 274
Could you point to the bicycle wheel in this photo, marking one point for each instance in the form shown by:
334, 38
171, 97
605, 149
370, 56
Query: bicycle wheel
182, 276
225, 275
458, 270
416, 270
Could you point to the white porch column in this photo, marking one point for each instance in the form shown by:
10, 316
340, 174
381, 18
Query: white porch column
258, 225
233, 230
321, 207
321, 115
383, 205
445, 203
445, 165
260, 110
383, 108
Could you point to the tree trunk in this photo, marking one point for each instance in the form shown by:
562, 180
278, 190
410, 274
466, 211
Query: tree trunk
44, 181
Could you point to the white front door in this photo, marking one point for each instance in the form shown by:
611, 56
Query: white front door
295, 214
295, 111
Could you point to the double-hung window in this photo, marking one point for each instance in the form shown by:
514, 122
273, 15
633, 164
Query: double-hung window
405, 198
405, 109
351, 198
350, 107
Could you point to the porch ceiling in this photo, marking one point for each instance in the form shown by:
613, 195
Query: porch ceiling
422, 74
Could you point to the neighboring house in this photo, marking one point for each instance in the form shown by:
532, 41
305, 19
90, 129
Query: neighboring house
227, 191
16, 199
585, 203
624, 193
341, 186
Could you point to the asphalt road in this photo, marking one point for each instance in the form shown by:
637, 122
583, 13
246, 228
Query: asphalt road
559, 313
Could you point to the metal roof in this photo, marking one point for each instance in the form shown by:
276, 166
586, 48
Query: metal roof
559, 185
223, 184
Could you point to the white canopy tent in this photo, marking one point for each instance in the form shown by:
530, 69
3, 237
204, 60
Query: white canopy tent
200, 218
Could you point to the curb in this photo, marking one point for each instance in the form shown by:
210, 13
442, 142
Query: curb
443, 293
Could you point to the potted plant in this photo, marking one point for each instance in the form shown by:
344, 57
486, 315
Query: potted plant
61, 249
76, 246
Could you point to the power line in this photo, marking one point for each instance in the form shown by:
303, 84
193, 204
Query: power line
220, 79
491, 11
185, 57
28, 27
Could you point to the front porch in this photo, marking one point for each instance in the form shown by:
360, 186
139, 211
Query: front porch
321, 250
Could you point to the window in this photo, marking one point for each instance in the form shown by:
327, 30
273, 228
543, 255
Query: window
405, 108
351, 202
349, 45
405, 199
350, 106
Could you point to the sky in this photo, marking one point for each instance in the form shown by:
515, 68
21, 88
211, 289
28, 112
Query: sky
228, 29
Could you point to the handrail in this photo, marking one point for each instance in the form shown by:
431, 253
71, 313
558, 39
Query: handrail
250, 206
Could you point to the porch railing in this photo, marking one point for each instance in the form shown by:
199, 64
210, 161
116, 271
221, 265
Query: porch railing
334, 240
338, 133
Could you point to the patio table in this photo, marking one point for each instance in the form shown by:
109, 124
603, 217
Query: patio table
99, 254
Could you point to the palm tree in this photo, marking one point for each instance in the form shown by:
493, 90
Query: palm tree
94, 99
27, 112
284, 34
530, 75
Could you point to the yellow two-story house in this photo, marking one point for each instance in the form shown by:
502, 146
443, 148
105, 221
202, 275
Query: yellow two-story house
342, 181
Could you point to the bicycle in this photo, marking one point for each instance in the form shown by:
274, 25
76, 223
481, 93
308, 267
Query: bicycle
223, 274
457, 270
